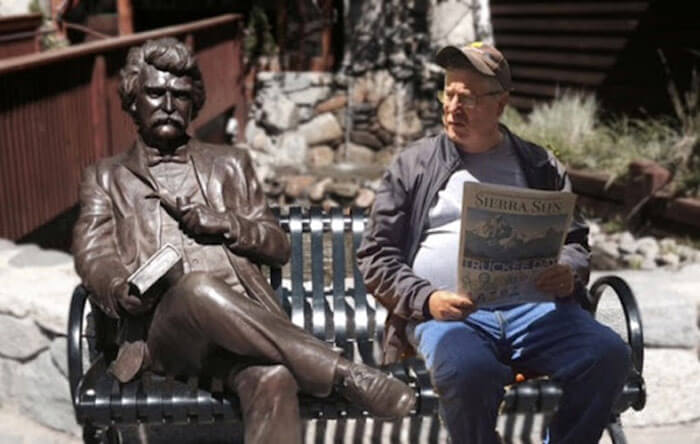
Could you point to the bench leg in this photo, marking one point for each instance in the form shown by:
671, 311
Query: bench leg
614, 428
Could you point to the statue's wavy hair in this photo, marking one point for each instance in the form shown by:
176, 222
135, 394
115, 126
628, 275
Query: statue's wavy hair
166, 54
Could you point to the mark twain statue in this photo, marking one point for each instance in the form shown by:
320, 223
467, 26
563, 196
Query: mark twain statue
221, 317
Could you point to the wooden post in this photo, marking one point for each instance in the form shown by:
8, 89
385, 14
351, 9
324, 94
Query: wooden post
126, 17
55, 11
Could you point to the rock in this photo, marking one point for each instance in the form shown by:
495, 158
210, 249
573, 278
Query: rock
6, 244
607, 248
332, 104
9, 372
47, 303
396, 118
451, 23
647, 247
33, 256
633, 260
328, 204
385, 157
306, 113
291, 149
59, 355
366, 138
43, 393
670, 259
668, 245
357, 154
278, 112
626, 242
345, 189
310, 96
318, 190
319, 156
365, 198
297, 185
372, 88
321, 129
21, 338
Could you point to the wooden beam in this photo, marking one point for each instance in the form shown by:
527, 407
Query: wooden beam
126, 17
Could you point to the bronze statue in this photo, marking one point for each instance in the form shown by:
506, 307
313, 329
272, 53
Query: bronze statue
221, 316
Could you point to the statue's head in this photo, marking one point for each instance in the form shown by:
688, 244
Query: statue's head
162, 89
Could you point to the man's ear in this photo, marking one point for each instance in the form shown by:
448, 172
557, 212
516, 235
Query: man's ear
502, 102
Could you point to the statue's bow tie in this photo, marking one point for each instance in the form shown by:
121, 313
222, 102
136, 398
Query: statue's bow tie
155, 159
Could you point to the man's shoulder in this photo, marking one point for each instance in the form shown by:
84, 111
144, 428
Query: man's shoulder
221, 151
530, 151
419, 153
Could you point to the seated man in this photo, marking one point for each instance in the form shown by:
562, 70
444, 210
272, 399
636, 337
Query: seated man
409, 260
221, 317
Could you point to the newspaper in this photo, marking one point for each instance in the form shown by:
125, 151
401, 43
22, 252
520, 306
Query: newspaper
508, 236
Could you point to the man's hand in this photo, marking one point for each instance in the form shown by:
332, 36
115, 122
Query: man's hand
200, 219
557, 280
449, 306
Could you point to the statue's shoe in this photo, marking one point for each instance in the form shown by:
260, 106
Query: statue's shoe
382, 395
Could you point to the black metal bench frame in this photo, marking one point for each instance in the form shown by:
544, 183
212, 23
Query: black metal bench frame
342, 316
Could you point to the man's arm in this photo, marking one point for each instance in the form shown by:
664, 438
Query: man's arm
246, 225
97, 260
382, 254
255, 231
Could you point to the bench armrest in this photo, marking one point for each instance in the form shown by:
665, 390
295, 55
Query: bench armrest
633, 317
75, 347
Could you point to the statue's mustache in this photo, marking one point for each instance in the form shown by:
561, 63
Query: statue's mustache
163, 120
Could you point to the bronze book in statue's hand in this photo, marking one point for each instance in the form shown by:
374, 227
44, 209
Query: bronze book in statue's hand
157, 274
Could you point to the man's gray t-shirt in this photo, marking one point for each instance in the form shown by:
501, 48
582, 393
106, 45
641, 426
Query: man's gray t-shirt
436, 259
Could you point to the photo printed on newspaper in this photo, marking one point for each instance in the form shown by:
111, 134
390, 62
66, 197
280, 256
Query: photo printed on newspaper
508, 236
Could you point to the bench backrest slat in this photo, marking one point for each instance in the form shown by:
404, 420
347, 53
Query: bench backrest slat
321, 312
298, 302
340, 309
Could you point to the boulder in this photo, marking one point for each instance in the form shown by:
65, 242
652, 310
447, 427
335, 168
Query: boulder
395, 117
42, 393
319, 156
310, 96
21, 338
322, 129
336, 102
366, 138
278, 113
356, 154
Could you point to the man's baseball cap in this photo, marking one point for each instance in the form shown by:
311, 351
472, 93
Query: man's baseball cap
483, 57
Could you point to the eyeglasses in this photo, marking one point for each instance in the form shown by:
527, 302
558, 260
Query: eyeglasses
465, 100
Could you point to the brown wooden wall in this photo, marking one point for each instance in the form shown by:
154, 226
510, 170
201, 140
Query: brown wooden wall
19, 35
60, 111
605, 46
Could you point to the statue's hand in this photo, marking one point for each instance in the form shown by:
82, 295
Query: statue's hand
130, 302
202, 220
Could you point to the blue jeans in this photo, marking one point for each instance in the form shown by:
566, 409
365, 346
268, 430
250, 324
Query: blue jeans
470, 361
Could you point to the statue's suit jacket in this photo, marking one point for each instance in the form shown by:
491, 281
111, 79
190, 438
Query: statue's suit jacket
118, 225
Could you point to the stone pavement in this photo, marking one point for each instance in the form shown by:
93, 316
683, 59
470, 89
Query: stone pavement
35, 288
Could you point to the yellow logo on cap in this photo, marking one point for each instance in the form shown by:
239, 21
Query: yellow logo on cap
477, 44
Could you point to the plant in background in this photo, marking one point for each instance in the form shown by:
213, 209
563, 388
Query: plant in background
258, 36
571, 127
686, 161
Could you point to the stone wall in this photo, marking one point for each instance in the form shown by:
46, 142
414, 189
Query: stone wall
326, 137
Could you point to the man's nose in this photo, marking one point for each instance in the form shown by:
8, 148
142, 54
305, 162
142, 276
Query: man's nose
168, 102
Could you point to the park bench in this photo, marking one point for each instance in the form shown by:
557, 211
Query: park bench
323, 292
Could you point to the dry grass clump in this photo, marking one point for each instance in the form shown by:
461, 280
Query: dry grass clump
571, 126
